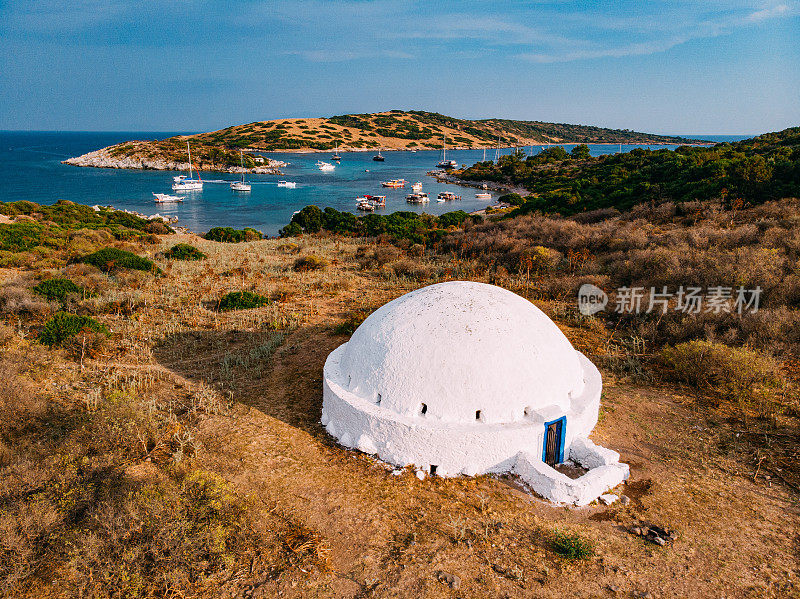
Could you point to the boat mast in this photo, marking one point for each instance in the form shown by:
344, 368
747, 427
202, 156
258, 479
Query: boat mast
190, 159
444, 147
241, 161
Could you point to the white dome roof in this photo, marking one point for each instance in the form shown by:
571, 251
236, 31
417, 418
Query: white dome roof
461, 348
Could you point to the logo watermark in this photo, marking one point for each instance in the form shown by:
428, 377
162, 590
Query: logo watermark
591, 299
689, 300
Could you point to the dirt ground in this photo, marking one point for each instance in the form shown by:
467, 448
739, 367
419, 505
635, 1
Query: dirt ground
394, 536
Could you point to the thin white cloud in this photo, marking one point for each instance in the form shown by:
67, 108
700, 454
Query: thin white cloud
639, 49
773, 12
335, 55
665, 34
487, 28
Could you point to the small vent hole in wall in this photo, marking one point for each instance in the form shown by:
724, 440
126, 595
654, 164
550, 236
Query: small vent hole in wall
349, 380
433, 469
478, 415
378, 402
423, 409
528, 412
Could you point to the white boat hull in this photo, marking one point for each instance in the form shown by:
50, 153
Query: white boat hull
163, 198
187, 186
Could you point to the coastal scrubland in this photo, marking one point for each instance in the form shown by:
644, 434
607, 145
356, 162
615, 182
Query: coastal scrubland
167, 442
748, 172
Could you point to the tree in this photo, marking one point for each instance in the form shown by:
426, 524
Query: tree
310, 218
580, 152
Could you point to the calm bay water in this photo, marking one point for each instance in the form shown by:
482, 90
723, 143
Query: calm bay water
31, 169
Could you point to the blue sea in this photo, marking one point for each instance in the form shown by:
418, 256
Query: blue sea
31, 169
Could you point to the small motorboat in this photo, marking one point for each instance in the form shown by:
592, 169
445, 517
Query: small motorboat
417, 186
368, 203
325, 166
483, 195
418, 198
164, 198
447, 196
378, 157
394, 183
287, 184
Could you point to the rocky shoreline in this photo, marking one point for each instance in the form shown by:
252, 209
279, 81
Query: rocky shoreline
104, 158
445, 177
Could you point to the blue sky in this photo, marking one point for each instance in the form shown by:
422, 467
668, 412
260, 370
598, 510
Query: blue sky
674, 67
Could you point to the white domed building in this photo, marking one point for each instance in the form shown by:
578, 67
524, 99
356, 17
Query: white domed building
465, 378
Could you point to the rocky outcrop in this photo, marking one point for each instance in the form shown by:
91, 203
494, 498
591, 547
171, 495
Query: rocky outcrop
111, 157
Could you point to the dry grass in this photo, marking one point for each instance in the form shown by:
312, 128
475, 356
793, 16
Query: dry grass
200, 426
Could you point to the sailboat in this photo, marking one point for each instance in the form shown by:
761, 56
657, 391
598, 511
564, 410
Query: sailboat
182, 183
336, 154
241, 185
378, 157
444, 162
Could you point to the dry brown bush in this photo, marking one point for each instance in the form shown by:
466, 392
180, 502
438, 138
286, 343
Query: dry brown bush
690, 244
411, 269
15, 300
370, 258
307, 263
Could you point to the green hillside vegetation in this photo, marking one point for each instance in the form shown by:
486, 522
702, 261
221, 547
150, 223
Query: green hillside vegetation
747, 172
50, 235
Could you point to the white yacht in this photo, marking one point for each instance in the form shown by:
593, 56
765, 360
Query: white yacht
241, 185
325, 166
444, 162
184, 183
163, 198
287, 184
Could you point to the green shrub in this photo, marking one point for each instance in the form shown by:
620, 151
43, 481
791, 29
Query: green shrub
737, 374
241, 300
309, 263
20, 237
571, 546
112, 259
57, 289
184, 251
231, 235
514, 199
64, 325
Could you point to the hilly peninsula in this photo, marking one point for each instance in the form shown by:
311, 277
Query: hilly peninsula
392, 130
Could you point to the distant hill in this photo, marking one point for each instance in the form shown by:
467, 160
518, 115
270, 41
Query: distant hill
393, 130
